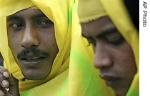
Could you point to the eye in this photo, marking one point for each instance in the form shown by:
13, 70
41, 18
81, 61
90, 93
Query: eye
16, 25
43, 22
115, 39
91, 41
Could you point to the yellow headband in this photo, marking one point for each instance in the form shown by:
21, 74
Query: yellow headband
90, 10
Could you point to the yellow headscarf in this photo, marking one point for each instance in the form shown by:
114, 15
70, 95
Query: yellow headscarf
59, 12
117, 12
80, 79
127, 29
83, 77
89, 10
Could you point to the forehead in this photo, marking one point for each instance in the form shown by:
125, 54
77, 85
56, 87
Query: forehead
27, 12
97, 26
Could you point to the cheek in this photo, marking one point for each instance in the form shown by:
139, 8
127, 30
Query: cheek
13, 40
124, 58
48, 39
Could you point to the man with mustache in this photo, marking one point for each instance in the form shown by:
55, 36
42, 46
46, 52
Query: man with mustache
32, 42
38, 41
114, 38
35, 43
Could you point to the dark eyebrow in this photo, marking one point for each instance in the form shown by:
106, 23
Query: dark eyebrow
13, 18
39, 15
106, 32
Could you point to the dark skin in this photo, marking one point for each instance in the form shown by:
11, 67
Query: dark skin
8, 82
114, 57
32, 42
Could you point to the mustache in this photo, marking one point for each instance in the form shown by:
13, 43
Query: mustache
32, 52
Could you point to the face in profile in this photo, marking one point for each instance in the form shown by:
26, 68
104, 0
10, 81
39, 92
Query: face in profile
113, 55
32, 41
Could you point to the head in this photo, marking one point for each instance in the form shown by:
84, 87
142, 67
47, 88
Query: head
113, 55
32, 41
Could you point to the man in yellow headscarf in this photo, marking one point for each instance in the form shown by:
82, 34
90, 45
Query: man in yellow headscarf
35, 43
108, 28
38, 41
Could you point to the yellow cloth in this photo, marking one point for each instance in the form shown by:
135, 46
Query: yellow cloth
72, 72
127, 29
57, 11
117, 12
89, 10
83, 77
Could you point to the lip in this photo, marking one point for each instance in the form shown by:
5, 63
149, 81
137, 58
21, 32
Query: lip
33, 60
111, 80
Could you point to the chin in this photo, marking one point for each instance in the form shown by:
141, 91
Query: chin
35, 75
121, 92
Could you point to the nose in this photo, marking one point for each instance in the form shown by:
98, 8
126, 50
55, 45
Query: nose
102, 58
30, 38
